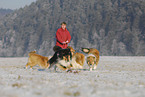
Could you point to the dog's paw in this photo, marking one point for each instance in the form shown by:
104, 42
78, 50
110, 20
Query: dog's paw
91, 69
69, 71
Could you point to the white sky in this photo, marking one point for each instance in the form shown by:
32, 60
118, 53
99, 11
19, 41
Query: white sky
15, 4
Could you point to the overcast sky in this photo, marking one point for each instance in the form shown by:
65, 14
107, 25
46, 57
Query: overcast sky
15, 4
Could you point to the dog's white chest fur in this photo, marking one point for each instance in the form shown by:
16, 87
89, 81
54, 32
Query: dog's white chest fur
75, 65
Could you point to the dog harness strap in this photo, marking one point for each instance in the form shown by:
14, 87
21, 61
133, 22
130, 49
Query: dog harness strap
59, 42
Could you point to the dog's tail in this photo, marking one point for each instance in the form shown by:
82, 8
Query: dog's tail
85, 50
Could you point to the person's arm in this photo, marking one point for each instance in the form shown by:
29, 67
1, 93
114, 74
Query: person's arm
59, 38
69, 37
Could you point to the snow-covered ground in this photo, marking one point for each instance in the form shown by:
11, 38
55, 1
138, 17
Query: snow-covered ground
114, 77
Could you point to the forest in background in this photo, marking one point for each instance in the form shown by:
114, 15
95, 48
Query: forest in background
114, 27
4, 12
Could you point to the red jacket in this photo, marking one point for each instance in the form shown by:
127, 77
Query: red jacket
61, 37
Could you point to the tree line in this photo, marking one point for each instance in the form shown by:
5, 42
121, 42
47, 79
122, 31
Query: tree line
114, 27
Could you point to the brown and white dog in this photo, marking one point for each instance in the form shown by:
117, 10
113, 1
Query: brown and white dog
67, 59
78, 59
35, 59
92, 57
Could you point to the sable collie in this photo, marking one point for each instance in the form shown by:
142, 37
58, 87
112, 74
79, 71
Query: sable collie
78, 59
92, 58
35, 59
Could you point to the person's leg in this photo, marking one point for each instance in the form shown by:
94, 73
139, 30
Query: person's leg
56, 48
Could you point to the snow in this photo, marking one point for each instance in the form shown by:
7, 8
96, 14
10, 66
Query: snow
115, 76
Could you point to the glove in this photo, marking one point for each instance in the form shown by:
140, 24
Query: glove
67, 41
63, 42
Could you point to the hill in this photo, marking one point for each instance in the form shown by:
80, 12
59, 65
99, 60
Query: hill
114, 27
4, 12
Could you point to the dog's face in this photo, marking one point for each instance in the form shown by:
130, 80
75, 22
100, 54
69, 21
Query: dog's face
46, 61
91, 61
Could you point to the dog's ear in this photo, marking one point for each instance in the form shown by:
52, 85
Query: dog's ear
71, 49
33, 51
86, 50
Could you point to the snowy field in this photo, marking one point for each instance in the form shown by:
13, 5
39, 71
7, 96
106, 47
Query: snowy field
114, 77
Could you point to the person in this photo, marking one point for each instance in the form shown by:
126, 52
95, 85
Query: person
63, 37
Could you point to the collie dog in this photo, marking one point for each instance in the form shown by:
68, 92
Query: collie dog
35, 59
92, 58
78, 59
61, 59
